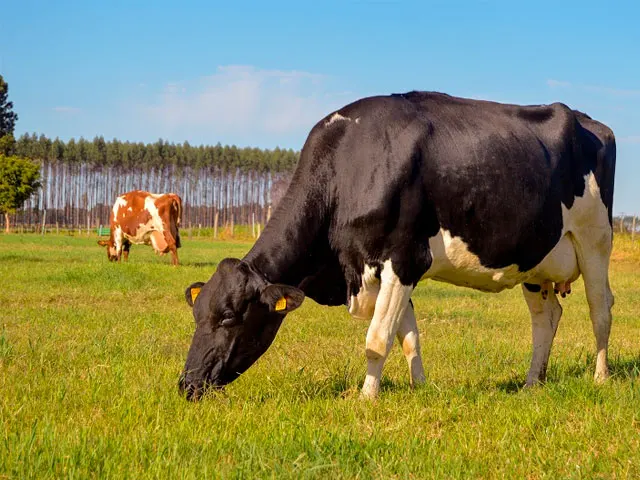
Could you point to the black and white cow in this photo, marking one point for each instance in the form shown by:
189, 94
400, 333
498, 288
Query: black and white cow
392, 190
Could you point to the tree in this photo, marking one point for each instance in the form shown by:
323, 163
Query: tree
19, 179
7, 144
7, 116
7, 120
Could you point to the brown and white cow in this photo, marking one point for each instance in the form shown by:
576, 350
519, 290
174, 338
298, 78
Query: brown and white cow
144, 218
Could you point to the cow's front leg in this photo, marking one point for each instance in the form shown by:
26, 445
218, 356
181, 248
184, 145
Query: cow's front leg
391, 306
118, 242
174, 256
409, 339
126, 246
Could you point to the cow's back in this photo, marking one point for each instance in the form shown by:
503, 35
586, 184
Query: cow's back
402, 168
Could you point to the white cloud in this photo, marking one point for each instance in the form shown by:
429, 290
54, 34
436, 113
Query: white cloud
240, 99
66, 109
558, 83
635, 139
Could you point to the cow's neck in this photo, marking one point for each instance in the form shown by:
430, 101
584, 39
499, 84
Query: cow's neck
294, 243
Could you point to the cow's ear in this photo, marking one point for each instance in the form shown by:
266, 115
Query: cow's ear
192, 292
103, 243
281, 298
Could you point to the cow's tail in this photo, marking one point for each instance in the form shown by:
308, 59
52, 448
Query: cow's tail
176, 205
601, 140
609, 172
606, 169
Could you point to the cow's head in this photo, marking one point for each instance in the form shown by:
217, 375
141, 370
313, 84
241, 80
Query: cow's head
112, 253
238, 313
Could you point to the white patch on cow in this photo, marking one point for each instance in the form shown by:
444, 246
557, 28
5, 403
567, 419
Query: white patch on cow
588, 220
150, 206
452, 262
334, 118
559, 266
357, 120
130, 209
117, 241
391, 305
158, 241
119, 203
588, 211
363, 305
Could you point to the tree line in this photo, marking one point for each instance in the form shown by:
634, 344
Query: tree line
81, 178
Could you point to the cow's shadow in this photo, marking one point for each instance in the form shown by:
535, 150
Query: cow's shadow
512, 385
619, 369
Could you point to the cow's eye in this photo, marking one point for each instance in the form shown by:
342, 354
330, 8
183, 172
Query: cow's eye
228, 318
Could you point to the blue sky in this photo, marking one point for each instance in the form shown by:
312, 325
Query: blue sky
262, 73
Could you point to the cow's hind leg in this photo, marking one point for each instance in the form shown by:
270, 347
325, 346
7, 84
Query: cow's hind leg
545, 316
172, 246
391, 306
409, 339
593, 252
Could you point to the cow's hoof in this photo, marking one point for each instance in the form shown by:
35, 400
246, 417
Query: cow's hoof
601, 377
370, 389
418, 381
531, 383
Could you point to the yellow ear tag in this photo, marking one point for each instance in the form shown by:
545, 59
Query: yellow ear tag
194, 293
281, 304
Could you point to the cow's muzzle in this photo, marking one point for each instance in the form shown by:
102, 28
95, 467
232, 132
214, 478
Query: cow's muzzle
193, 389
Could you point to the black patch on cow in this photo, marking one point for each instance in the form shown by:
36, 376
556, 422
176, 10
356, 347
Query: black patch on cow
532, 287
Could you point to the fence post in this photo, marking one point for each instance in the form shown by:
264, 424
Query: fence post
633, 228
44, 221
621, 223
215, 224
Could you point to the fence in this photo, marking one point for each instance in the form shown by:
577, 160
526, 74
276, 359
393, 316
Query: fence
78, 197
628, 224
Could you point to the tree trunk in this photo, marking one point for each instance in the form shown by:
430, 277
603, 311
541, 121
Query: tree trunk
6, 223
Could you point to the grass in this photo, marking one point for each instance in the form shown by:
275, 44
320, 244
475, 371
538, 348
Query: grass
90, 354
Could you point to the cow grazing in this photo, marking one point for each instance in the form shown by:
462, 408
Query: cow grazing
144, 218
392, 190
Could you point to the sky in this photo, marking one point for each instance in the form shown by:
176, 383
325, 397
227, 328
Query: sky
262, 73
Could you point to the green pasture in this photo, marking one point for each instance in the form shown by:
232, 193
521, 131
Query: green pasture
90, 354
